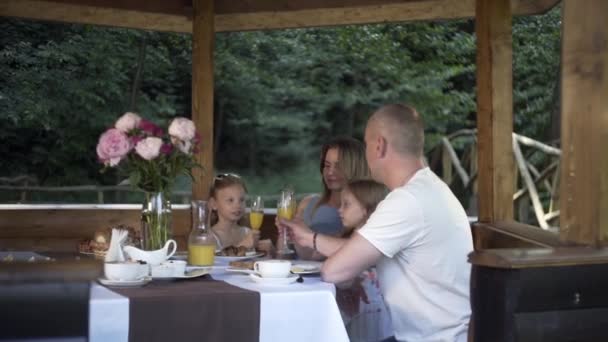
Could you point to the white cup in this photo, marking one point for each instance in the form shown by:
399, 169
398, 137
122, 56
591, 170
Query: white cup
178, 267
162, 270
126, 271
273, 268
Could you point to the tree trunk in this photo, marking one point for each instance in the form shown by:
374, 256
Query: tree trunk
141, 57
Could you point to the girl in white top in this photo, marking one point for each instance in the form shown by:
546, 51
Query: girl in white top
227, 203
361, 303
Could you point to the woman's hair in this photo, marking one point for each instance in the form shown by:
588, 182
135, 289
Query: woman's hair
351, 161
221, 181
368, 193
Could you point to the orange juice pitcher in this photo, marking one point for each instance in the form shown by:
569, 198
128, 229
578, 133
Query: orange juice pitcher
201, 243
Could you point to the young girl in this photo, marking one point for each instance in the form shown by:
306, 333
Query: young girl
363, 310
227, 203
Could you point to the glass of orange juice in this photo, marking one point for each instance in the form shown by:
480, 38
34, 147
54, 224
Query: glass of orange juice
256, 212
286, 208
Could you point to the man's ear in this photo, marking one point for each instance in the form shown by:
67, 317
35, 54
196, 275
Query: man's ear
382, 146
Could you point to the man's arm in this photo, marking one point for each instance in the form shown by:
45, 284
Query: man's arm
356, 255
303, 237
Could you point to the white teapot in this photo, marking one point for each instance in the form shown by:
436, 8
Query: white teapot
152, 257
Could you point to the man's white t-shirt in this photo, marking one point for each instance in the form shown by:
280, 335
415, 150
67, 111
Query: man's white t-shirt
425, 237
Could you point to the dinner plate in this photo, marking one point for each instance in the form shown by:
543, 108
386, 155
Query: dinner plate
274, 281
188, 275
306, 267
227, 259
125, 283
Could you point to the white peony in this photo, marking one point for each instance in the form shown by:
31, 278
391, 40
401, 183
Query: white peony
127, 122
182, 129
149, 148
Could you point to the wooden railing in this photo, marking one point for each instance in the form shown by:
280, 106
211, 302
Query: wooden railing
455, 160
514, 235
25, 189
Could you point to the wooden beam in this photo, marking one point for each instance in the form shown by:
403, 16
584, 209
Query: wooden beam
203, 38
176, 16
584, 168
494, 110
496, 235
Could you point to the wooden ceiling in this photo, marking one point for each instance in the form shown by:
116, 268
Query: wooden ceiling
244, 15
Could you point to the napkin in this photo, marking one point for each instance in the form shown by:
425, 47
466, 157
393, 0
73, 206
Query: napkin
115, 252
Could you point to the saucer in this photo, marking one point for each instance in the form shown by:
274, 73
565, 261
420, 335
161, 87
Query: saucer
274, 281
227, 259
125, 283
306, 267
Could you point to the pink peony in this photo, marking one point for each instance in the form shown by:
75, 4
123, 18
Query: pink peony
150, 128
113, 145
182, 129
127, 122
149, 148
166, 149
135, 139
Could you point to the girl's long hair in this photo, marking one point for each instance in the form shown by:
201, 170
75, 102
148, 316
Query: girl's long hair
221, 181
368, 193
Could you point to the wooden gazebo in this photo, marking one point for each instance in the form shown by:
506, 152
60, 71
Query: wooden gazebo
584, 84
584, 81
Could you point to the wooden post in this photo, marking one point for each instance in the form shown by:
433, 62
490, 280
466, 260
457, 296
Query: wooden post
584, 168
202, 92
494, 109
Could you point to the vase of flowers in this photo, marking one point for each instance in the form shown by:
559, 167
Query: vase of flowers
152, 158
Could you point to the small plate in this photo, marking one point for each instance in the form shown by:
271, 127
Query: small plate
188, 275
227, 259
125, 283
242, 270
274, 281
306, 267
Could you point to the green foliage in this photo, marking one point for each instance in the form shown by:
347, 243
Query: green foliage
536, 62
279, 95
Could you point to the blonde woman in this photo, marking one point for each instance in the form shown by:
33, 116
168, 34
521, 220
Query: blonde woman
342, 160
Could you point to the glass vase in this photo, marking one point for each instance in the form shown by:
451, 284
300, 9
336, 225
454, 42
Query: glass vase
156, 220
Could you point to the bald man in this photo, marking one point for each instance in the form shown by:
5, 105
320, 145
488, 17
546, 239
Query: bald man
418, 237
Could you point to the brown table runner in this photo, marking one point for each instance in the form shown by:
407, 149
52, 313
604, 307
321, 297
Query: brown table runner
198, 310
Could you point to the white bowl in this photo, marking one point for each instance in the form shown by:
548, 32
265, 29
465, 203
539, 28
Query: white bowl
126, 271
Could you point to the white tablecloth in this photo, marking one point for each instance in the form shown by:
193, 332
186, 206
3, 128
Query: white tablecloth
297, 312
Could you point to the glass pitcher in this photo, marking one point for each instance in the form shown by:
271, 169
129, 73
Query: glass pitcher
201, 243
